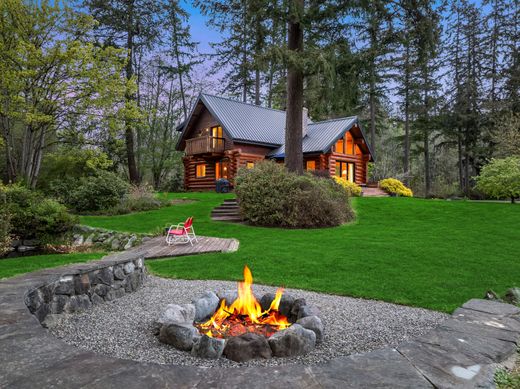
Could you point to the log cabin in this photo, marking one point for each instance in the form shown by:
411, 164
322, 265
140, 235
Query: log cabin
222, 136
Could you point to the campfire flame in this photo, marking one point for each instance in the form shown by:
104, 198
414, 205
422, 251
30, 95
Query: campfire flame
245, 314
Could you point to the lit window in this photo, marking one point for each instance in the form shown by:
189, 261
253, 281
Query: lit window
311, 165
250, 165
201, 170
350, 143
340, 146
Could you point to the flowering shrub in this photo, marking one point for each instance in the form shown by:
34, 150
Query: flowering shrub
394, 186
353, 189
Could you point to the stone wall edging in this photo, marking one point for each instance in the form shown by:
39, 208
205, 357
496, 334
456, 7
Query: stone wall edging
464, 351
84, 286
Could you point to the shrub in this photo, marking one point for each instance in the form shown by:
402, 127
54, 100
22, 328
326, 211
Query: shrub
63, 169
501, 178
353, 189
269, 195
34, 216
394, 186
103, 191
139, 198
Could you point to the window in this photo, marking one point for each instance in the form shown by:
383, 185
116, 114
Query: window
217, 136
222, 169
201, 170
350, 143
340, 146
310, 165
250, 165
345, 170
358, 151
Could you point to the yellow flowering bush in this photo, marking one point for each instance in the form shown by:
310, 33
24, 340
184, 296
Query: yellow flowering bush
394, 186
352, 188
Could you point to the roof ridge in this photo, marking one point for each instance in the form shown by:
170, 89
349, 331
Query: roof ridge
241, 102
333, 120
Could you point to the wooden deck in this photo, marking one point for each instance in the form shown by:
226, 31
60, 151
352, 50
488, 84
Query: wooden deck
157, 247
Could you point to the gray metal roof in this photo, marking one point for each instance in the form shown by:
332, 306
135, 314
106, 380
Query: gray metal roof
259, 125
247, 122
321, 135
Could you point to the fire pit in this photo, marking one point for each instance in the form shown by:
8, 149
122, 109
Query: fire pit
236, 325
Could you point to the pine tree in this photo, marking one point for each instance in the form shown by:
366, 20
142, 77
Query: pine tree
133, 25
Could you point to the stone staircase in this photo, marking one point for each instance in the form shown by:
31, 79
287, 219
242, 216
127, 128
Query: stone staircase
373, 191
228, 212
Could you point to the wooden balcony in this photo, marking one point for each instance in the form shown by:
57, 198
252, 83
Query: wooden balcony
205, 145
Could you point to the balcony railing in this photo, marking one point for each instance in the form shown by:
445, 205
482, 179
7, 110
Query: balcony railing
204, 145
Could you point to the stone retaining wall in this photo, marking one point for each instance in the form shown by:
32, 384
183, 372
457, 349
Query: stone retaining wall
79, 290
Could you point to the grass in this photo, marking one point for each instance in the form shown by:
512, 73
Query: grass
14, 266
428, 253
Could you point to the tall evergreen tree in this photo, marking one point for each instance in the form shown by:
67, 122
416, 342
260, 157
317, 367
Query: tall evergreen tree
133, 25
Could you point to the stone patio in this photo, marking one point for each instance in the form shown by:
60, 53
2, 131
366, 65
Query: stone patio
462, 352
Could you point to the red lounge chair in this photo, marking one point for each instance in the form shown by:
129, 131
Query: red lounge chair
181, 233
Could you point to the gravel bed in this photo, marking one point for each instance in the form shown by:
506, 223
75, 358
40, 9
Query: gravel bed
123, 328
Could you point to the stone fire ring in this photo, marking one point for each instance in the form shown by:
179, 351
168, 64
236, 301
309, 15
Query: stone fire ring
462, 352
176, 327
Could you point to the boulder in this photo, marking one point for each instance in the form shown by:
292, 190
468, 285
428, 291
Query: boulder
78, 240
246, 347
205, 306
307, 310
24, 249
113, 294
102, 290
292, 341
512, 296
229, 295
119, 273
130, 242
77, 304
178, 314
491, 295
31, 242
286, 303
96, 299
133, 281
89, 240
296, 307
314, 324
207, 347
115, 244
34, 299
180, 336
129, 267
82, 283
58, 303
65, 285
106, 276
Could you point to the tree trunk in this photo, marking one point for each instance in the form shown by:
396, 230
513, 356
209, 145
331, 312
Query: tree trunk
407, 116
180, 72
130, 97
426, 137
257, 86
459, 154
293, 130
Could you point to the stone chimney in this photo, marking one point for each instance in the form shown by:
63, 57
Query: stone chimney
305, 121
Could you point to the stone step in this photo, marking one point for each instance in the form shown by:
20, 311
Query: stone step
227, 218
374, 192
230, 201
218, 212
227, 206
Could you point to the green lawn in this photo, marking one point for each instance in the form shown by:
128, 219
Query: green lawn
428, 253
14, 266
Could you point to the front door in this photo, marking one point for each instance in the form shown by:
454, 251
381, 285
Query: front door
222, 169
346, 170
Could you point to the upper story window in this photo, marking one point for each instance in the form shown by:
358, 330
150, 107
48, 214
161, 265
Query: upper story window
217, 132
200, 170
345, 145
